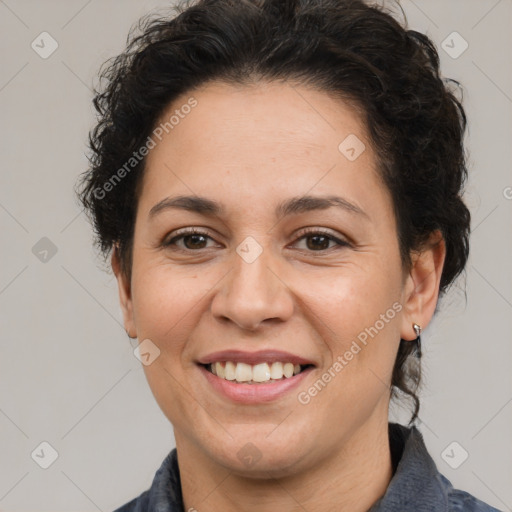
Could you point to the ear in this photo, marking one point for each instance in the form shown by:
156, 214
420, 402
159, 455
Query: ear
421, 289
125, 298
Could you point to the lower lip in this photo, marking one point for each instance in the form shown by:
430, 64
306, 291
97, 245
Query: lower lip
254, 393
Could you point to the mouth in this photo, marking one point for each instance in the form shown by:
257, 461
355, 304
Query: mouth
254, 377
261, 383
257, 374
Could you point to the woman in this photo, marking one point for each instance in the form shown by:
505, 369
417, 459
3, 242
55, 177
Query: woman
279, 184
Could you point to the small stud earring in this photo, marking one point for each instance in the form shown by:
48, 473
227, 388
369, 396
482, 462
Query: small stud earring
417, 330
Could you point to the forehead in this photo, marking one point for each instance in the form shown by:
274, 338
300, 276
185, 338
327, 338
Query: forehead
300, 117
257, 141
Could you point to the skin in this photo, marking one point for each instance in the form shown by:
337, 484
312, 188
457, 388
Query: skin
249, 148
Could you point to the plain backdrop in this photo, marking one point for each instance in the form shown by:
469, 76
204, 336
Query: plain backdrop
67, 369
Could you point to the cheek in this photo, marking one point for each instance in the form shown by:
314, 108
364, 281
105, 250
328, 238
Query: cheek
360, 324
165, 304
352, 298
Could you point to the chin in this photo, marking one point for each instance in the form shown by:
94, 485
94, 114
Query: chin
257, 457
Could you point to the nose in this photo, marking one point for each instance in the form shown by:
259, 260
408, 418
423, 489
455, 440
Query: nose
253, 293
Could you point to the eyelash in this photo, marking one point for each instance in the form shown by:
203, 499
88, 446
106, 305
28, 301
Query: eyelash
301, 235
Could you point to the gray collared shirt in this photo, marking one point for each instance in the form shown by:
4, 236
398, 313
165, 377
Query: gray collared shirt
416, 485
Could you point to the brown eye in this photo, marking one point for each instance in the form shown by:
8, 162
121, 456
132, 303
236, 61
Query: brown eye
318, 241
192, 240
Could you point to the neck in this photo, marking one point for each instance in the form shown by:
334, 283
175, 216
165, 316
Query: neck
353, 478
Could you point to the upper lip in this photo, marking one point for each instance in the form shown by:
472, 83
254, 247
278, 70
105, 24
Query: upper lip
262, 356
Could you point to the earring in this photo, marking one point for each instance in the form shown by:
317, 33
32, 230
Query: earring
417, 330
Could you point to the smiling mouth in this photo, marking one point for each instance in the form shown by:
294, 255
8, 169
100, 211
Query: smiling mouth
263, 373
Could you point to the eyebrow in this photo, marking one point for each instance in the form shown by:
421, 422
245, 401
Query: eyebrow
292, 206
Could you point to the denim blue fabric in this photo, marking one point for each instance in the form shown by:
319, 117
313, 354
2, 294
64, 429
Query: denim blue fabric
416, 485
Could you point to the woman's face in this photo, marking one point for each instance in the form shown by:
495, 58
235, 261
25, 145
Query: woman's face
260, 277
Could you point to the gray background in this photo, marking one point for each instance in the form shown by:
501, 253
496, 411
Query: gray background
68, 373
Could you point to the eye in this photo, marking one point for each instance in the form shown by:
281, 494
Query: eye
195, 239
320, 240
192, 239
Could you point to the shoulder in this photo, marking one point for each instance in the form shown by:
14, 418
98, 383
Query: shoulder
164, 493
417, 483
462, 501
139, 504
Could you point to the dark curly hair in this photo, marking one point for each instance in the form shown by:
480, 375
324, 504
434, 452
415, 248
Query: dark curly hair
348, 48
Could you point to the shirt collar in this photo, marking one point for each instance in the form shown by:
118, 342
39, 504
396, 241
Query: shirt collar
165, 492
415, 483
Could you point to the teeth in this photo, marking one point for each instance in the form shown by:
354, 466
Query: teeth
230, 371
288, 369
243, 372
276, 371
219, 370
262, 372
